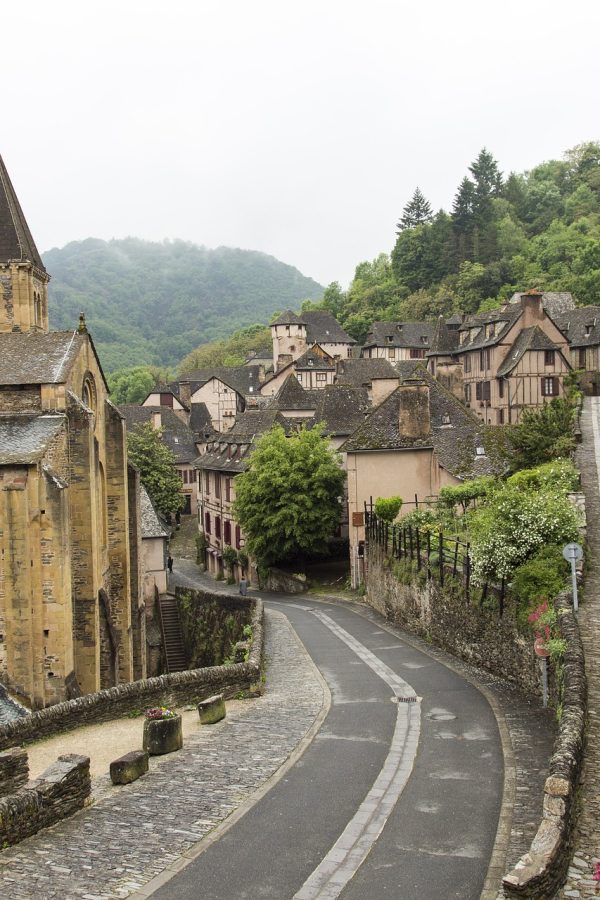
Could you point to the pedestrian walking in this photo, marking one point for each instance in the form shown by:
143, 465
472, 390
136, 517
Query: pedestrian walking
170, 563
243, 587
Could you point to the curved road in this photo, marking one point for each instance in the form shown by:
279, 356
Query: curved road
398, 795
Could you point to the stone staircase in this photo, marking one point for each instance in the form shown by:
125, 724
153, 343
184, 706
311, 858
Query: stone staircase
172, 637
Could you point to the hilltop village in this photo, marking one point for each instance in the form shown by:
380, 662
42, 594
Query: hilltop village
416, 408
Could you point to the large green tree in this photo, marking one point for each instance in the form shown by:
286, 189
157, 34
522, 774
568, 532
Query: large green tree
156, 463
288, 499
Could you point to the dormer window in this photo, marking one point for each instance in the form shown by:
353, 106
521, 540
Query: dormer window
588, 328
446, 419
390, 338
424, 339
480, 451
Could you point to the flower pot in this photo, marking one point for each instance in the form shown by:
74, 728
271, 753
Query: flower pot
162, 735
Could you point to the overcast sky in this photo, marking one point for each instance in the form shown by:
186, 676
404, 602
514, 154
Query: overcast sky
299, 129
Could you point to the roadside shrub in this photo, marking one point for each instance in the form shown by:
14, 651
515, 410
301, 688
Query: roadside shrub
387, 508
463, 494
540, 578
512, 529
560, 475
424, 519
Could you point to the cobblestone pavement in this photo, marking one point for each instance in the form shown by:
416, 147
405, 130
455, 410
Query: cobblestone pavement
112, 848
587, 834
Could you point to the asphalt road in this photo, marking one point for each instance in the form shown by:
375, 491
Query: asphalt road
404, 778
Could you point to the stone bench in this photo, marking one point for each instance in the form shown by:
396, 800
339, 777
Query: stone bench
129, 768
211, 710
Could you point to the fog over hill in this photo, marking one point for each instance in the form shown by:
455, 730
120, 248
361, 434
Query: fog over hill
151, 303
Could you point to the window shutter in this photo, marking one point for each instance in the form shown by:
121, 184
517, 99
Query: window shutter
478, 391
555, 386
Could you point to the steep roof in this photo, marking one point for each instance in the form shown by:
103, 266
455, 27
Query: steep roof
33, 358
455, 433
243, 379
532, 338
444, 341
358, 372
400, 334
323, 328
315, 359
24, 439
200, 420
229, 451
291, 395
288, 317
177, 435
341, 408
474, 327
16, 241
580, 325
554, 302
152, 523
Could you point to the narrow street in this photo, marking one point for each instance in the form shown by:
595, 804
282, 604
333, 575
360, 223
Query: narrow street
398, 795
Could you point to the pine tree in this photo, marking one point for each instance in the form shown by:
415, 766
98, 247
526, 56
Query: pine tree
417, 211
486, 174
463, 221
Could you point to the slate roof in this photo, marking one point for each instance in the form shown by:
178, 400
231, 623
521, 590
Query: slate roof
576, 323
291, 395
554, 302
410, 368
358, 372
342, 408
315, 360
16, 241
239, 378
400, 334
288, 317
200, 420
177, 435
152, 523
455, 432
24, 438
323, 328
229, 451
532, 338
444, 341
503, 319
38, 358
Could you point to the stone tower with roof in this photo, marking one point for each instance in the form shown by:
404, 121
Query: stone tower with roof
70, 596
288, 332
23, 278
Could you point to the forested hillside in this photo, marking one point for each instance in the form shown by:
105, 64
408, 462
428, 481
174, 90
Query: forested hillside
503, 234
151, 303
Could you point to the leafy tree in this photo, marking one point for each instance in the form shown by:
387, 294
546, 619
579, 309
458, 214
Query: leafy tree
288, 499
387, 508
416, 212
542, 435
233, 351
156, 463
131, 385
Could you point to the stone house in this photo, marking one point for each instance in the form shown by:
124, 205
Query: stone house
71, 611
398, 341
510, 359
419, 439
225, 391
178, 437
294, 334
165, 395
581, 325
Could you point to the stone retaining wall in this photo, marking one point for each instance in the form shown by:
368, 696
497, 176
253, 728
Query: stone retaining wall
211, 624
14, 770
59, 792
541, 871
168, 690
446, 617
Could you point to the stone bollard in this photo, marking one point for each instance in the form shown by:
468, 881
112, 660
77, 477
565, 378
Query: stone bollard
129, 767
211, 710
163, 735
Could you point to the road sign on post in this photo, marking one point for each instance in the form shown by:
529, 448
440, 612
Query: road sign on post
573, 552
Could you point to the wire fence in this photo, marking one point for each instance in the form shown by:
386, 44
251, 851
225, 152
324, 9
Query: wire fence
433, 553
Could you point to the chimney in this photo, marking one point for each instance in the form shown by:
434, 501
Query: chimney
414, 417
185, 394
262, 376
156, 420
533, 311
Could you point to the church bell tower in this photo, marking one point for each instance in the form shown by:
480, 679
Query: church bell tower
23, 278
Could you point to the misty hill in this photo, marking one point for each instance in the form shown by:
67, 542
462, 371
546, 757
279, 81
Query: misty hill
151, 303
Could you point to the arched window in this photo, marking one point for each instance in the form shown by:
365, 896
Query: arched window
37, 309
88, 392
227, 532
207, 522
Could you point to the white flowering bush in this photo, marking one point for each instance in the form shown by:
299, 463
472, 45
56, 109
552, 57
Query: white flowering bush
515, 525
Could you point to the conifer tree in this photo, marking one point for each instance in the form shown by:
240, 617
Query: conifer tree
417, 211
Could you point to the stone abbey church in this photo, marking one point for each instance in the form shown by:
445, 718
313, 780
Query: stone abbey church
71, 613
